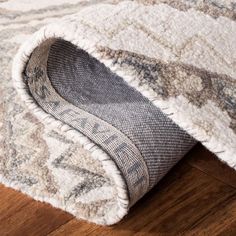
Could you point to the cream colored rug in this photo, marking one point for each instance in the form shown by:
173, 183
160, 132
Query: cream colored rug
107, 97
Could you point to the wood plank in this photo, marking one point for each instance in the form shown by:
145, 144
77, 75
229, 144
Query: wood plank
76, 227
207, 162
35, 218
11, 201
220, 221
175, 204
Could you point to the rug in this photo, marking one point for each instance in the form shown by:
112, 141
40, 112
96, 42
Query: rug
106, 97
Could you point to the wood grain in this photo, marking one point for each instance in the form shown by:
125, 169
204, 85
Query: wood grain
34, 218
197, 197
220, 221
11, 202
207, 162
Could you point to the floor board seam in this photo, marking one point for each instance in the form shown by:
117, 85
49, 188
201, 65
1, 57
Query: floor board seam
210, 175
48, 234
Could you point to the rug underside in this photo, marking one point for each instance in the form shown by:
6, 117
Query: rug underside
80, 91
127, 95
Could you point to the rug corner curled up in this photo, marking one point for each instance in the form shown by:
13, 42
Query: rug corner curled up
179, 88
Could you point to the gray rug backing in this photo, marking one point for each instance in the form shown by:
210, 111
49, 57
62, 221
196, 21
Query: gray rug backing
80, 90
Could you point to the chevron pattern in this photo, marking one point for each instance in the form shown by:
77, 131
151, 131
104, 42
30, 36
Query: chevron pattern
185, 48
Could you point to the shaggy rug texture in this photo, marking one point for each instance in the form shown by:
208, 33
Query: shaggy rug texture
106, 100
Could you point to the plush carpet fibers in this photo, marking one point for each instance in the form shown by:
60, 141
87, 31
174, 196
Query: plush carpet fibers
117, 94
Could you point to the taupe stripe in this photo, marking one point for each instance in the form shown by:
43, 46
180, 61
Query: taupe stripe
173, 79
211, 8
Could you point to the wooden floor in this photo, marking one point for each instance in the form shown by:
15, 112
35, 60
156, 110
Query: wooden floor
197, 197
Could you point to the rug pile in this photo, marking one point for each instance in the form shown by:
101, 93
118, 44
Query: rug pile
103, 98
